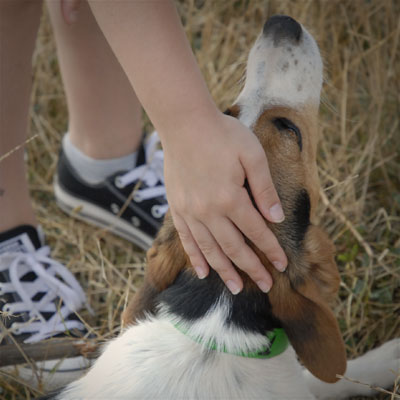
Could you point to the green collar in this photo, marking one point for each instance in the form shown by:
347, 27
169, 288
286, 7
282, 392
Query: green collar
278, 340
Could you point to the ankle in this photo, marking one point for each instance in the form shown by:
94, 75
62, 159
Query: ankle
12, 220
16, 210
92, 170
15, 202
104, 147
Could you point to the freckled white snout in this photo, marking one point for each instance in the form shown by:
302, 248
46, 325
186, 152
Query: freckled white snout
284, 68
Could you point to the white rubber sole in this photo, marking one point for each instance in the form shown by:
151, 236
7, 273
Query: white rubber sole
51, 374
95, 215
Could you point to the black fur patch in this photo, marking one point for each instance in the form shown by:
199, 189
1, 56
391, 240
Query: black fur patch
301, 215
191, 298
293, 229
251, 310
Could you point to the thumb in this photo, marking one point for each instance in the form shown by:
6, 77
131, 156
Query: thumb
69, 10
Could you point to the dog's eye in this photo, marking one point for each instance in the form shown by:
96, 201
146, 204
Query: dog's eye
284, 124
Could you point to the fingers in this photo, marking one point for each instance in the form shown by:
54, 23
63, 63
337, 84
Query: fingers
202, 249
252, 225
216, 214
69, 10
233, 245
215, 256
262, 188
221, 246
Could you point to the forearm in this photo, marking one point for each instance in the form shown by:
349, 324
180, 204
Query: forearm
149, 42
207, 155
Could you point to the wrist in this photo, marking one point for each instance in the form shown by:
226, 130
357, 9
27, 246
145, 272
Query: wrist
190, 124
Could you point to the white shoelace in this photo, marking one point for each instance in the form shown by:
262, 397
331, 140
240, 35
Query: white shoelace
150, 173
55, 281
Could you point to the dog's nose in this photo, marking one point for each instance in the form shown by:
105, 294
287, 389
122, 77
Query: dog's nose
282, 27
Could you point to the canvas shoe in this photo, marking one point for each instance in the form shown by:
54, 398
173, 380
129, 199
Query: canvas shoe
39, 299
132, 204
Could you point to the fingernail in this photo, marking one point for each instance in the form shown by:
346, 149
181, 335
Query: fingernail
233, 287
201, 272
276, 213
264, 286
279, 266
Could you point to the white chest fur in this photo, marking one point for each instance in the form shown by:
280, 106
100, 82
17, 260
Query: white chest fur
154, 360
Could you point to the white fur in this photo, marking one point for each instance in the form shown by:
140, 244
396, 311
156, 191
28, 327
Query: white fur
287, 75
154, 360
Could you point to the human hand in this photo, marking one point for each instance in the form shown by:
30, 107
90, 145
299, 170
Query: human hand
205, 169
208, 155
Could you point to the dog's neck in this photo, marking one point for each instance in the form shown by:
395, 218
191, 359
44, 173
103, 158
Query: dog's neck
208, 311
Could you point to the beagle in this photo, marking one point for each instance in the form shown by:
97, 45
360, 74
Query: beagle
192, 339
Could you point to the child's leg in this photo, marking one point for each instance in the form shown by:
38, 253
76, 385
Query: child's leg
22, 249
100, 166
104, 112
19, 21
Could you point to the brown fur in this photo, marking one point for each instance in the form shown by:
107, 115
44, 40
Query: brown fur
290, 167
300, 296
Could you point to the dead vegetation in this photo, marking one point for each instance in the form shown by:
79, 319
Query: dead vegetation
358, 158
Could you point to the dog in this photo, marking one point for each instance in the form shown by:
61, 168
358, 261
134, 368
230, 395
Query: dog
192, 339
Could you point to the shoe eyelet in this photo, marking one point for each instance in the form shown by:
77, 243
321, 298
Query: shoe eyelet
137, 197
7, 309
135, 221
118, 183
114, 208
155, 211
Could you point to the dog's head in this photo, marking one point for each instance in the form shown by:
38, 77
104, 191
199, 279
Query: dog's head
279, 103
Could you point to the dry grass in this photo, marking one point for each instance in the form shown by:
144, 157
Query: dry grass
358, 157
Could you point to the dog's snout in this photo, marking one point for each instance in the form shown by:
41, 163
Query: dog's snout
282, 27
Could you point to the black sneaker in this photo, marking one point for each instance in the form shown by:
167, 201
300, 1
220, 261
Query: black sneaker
38, 300
132, 204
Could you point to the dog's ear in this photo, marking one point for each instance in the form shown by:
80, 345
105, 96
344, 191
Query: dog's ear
299, 299
165, 259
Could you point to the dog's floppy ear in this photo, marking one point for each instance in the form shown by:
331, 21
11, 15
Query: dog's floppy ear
165, 259
300, 299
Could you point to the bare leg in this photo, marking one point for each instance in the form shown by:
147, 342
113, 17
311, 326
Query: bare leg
104, 112
19, 22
